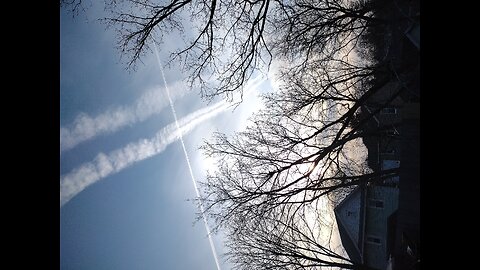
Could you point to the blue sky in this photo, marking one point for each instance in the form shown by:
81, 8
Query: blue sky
124, 179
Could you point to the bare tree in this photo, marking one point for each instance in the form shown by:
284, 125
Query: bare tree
75, 7
299, 148
295, 151
314, 29
276, 242
231, 40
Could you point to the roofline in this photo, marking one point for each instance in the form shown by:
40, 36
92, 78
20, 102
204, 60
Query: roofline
363, 204
374, 116
346, 198
349, 236
363, 191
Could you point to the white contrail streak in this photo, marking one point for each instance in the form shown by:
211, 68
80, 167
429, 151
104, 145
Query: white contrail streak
86, 127
104, 165
210, 240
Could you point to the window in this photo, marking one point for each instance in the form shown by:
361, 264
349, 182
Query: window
374, 203
390, 164
388, 152
391, 132
388, 110
373, 240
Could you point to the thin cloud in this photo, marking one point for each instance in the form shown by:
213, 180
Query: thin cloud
187, 159
86, 127
106, 164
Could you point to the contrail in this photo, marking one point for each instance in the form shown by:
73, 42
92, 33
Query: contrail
212, 246
106, 164
86, 127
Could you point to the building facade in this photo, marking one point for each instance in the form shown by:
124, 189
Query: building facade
364, 223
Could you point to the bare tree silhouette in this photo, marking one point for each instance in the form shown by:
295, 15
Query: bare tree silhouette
278, 242
297, 149
301, 147
231, 40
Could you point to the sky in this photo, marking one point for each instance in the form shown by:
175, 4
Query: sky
125, 184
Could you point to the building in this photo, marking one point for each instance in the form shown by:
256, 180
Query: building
384, 149
379, 222
413, 34
364, 220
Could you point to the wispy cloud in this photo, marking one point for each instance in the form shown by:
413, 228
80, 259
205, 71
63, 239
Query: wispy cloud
86, 127
106, 164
